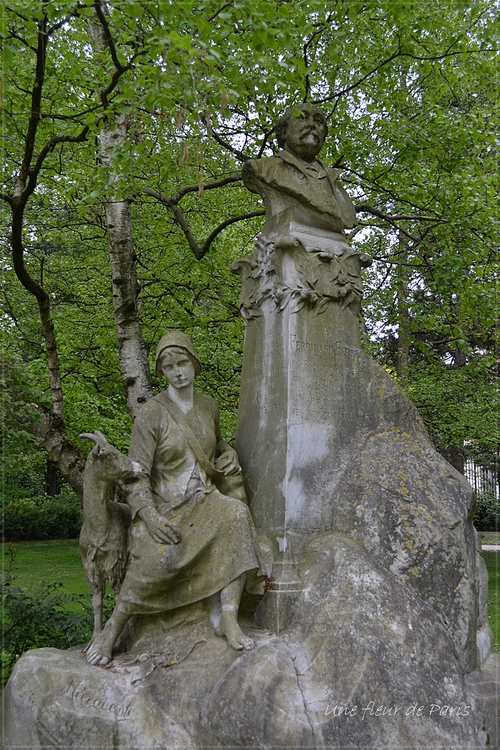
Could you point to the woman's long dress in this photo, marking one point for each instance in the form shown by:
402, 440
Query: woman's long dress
218, 541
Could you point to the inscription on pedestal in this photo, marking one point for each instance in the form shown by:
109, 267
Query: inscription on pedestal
81, 696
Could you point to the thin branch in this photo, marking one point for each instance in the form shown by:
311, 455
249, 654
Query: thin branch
239, 154
65, 118
36, 100
223, 7
265, 140
421, 58
228, 222
385, 217
18, 14
10, 311
181, 220
340, 93
107, 39
105, 92
399, 217
71, 15
47, 149
172, 202
207, 186
19, 39
381, 188
190, 189
307, 44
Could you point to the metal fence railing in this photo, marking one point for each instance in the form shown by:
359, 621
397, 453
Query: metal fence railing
482, 479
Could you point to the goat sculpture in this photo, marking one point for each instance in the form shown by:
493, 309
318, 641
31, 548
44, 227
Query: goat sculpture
103, 538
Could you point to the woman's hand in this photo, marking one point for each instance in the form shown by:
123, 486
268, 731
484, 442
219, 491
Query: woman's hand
228, 462
160, 529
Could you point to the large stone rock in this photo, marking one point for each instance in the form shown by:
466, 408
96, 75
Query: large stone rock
353, 457
366, 663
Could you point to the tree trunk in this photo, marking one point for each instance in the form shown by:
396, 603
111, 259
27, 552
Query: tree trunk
49, 336
403, 318
70, 461
133, 354
132, 350
52, 478
455, 456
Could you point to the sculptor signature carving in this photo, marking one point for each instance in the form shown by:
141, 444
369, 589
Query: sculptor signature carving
80, 695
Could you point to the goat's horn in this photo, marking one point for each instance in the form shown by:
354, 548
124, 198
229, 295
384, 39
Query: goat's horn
96, 437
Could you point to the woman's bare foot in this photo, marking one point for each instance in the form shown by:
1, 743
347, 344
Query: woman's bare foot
234, 635
99, 650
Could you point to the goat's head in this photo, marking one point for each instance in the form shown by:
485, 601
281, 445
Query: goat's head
108, 462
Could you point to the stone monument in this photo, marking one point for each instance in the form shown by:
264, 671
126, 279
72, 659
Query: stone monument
327, 441
373, 630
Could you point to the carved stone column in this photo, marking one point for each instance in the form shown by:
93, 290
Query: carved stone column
300, 403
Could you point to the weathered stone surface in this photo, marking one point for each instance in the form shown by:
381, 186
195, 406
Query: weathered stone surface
354, 458
365, 664
483, 688
366, 640
484, 637
409, 507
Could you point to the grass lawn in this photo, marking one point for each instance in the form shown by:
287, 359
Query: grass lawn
489, 537
492, 560
51, 560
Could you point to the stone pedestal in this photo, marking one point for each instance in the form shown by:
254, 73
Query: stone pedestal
298, 406
301, 400
328, 442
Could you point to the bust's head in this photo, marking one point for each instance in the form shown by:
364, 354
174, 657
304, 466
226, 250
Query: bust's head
302, 131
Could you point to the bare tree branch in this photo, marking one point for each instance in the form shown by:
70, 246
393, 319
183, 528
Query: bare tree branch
107, 39
239, 154
385, 217
36, 100
398, 217
172, 202
65, 20
46, 150
336, 95
223, 7
346, 90
228, 222
207, 186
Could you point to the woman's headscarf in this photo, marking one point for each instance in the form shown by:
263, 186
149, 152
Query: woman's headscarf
180, 341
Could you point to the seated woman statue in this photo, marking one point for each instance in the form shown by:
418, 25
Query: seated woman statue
188, 540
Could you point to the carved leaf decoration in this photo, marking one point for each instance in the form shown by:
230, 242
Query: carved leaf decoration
322, 305
315, 279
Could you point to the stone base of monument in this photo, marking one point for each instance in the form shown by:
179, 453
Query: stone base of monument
365, 663
373, 638
275, 610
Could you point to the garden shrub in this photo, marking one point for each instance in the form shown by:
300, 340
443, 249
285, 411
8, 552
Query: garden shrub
487, 515
57, 517
36, 618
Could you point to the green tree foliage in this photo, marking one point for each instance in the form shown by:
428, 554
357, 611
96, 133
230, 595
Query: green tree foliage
196, 87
